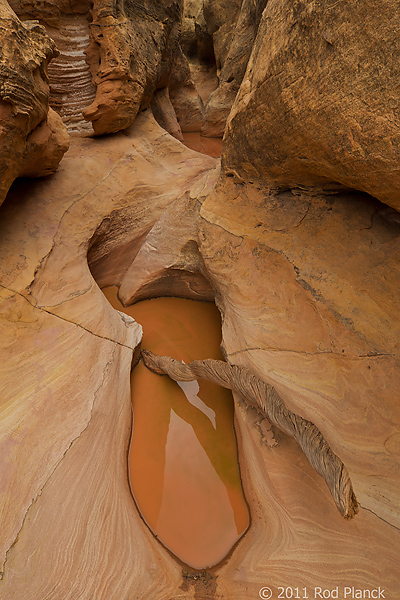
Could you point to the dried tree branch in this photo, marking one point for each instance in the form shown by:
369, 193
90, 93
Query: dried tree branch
263, 396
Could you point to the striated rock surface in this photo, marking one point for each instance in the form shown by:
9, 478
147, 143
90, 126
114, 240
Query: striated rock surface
31, 141
69, 524
304, 271
71, 87
320, 97
318, 320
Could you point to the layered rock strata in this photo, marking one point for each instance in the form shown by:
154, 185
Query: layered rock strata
71, 87
67, 511
262, 396
33, 140
304, 273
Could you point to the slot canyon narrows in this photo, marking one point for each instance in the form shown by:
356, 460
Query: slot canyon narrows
242, 156
183, 466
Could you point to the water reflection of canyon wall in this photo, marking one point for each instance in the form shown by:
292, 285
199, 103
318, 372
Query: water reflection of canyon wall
183, 465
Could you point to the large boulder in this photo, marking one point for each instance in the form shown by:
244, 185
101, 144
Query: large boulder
319, 103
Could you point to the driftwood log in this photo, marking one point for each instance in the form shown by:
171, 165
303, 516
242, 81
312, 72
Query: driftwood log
263, 396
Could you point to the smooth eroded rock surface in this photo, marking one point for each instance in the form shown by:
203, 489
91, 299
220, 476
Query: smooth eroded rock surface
66, 417
192, 500
287, 234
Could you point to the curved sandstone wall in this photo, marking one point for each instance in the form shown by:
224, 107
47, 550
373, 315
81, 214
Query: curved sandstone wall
294, 234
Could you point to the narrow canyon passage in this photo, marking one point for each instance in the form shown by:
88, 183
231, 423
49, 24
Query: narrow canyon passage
183, 465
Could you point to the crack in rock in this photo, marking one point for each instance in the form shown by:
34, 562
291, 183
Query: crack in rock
126, 323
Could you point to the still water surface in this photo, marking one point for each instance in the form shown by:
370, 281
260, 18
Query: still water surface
183, 466
210, 146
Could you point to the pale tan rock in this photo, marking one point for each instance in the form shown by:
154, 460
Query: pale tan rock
204, 78
45, 147
69, 523
307, 284
318, 320
323, 85
164, 113
318, 317
71, 86
185, 99
168, 262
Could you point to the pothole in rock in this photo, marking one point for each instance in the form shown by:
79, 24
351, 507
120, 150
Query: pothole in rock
183, 463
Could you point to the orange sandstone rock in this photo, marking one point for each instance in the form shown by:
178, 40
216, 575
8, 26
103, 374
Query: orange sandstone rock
319, 101
25, 52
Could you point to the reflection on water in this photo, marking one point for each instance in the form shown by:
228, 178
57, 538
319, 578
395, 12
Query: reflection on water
183, 457
210, 146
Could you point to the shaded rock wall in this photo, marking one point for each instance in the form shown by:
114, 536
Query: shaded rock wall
320, 98
71, 87
234, 32
31, 141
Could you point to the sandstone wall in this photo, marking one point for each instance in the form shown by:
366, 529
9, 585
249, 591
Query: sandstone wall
33, 139
294, 235
319, 101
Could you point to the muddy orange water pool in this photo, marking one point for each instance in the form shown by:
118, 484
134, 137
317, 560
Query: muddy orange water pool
210, 146
183, 466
